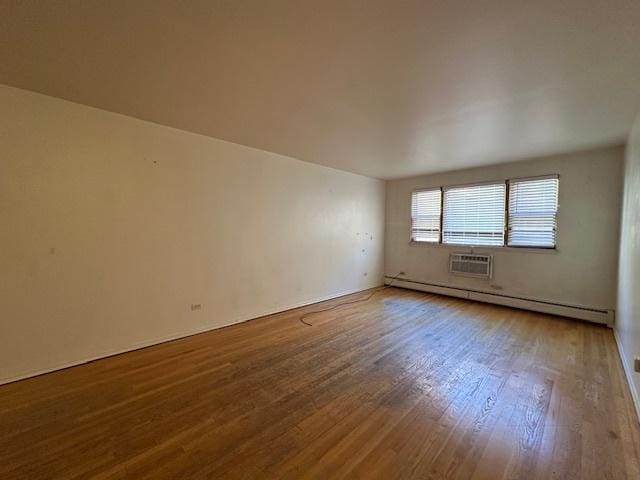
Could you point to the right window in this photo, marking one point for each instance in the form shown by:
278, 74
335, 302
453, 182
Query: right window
533, 211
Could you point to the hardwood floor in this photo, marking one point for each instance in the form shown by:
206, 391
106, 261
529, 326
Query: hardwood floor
405, 385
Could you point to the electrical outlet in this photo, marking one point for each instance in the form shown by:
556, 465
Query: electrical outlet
196, 306
636, 364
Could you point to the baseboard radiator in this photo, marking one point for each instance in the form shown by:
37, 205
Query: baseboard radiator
605, 317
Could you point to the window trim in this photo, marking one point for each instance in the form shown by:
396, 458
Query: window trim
505, 246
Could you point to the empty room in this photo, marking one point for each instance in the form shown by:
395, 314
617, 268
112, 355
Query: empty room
368, 239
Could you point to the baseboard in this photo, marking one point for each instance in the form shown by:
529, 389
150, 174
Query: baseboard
595, 315
176, 336
628, 372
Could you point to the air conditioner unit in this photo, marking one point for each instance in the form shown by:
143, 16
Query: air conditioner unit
471, 265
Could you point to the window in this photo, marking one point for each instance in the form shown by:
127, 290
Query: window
478, 215
474, 215
426, 210
533, 208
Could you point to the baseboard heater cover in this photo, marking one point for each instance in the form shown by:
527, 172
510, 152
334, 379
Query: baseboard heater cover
605, 317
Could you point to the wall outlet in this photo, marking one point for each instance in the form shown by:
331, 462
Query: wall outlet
636, 364
196, 306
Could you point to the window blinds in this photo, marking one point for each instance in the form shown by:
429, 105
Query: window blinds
533, 208
426, 207
474, 215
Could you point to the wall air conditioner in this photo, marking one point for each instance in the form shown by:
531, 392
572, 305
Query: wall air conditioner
471, 265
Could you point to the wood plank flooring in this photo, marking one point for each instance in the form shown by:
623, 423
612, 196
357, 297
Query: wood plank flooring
405, 385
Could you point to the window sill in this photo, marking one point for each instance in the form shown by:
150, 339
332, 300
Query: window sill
485, 247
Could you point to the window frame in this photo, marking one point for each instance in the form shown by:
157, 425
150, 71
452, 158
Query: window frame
536, 247
419, 190
468, 185
505, 246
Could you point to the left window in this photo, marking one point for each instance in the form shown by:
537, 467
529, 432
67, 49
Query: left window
426, 211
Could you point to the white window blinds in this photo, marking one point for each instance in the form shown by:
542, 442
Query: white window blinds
533, 208
474, 215
426, 208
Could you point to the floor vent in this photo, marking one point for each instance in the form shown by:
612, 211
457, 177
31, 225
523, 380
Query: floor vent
471, 265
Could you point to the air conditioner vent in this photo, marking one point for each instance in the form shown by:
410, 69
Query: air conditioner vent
479, 266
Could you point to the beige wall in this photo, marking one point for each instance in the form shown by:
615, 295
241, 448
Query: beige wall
112, 227
628, 314
581, 272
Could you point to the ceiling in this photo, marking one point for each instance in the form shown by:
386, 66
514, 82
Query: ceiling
383, 88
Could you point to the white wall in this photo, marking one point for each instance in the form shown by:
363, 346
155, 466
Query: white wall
112, 227
581, 272
628, 315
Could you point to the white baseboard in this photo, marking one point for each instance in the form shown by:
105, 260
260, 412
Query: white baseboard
176, 336
602, 316
628, 372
